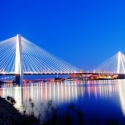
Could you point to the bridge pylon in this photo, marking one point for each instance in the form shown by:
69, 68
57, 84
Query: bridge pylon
18, 61
120, 63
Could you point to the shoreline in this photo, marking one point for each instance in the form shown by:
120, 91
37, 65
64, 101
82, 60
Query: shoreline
9, 115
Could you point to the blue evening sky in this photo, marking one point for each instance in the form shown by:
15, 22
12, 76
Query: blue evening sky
81, 32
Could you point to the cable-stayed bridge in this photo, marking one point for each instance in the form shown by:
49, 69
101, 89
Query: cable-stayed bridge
19, 56
115, 64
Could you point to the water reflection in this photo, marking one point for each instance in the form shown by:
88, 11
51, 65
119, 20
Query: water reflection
65, 92
58, 92
102, 88
121, 87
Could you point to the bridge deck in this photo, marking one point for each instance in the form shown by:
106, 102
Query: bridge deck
57, 73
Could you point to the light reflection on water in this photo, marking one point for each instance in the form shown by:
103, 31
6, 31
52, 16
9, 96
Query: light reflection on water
84, 93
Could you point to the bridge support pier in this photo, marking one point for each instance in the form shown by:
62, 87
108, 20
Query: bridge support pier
17, 79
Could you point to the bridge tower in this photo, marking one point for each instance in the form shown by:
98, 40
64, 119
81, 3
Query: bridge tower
18, 61
120, 63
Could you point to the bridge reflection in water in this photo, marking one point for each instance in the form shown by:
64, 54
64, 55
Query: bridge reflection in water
65, 92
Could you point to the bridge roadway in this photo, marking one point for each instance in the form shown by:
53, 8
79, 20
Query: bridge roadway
93, 76
64, 73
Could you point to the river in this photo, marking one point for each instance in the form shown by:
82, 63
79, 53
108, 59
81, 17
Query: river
102, 100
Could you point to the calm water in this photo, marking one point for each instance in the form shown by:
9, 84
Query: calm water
97, 99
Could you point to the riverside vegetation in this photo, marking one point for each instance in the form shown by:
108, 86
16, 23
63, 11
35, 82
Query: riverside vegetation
49, 115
